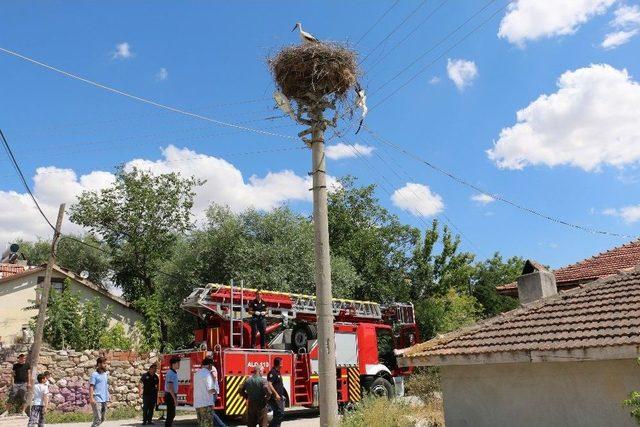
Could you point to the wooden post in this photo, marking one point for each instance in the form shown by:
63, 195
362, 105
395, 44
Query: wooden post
42, 309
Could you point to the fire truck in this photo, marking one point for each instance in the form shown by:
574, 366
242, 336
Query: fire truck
366, 334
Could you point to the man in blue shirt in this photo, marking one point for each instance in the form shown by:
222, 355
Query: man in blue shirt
171, 390
99, 391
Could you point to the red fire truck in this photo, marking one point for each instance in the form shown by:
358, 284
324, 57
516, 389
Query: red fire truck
366, 334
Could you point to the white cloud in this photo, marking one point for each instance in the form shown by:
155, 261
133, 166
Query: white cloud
345, 151
461, 72
625, 25
162, 75
434, 80
592, 120
225, 184
123, 51
528, 20
483, 199
418, 200
629, 214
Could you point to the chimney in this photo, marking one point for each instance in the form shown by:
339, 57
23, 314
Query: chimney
535, 282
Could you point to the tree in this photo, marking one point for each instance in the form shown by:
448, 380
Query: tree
373, 240
63, 315
94, 322
139, 219
436, 273
446, 313
493, 272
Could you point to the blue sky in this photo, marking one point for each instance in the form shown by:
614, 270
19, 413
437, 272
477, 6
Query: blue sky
573, 155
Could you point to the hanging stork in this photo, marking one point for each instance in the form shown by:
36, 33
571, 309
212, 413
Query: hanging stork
283, 103
361, 103
304, 36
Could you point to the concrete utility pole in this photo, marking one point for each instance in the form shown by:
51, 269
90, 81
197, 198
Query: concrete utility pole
328, 395
44, 300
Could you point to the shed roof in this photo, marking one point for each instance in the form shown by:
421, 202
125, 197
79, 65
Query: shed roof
601, 315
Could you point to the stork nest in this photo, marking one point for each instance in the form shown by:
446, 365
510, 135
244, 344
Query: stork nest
308, 72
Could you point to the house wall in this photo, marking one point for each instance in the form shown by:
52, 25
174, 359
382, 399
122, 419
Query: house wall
16, 295
562, 394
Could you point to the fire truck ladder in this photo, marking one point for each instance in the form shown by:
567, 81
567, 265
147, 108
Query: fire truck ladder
228, 303
233, 314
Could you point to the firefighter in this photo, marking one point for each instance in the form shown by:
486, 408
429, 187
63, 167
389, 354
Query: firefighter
279, 395
258, 309
256, 390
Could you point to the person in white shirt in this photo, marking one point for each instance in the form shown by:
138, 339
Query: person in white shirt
39, 402
205, 390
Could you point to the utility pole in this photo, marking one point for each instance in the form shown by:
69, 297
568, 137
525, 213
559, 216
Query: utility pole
328, 395
44, 300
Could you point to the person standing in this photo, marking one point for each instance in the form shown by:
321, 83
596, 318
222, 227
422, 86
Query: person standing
256, 391
39, 402
171, 390
148, 391
20, 385
279, 395
204, 393
258, 309
99, 391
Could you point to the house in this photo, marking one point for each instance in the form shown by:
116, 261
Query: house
18, 298
566, 359
601, 265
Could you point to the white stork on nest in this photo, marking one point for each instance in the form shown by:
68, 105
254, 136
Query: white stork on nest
304, 36
361, 102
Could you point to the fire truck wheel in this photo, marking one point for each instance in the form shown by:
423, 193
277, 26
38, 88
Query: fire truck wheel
381, 387
301, 335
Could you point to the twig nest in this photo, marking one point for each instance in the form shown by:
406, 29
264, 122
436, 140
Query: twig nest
308, 72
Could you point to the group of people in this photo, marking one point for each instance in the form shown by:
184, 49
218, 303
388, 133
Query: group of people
20, 389
262, 394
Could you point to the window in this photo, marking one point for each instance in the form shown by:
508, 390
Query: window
57, 283
385, 348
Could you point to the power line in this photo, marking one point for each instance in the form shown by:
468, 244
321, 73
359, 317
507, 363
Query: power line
450, 48
144, 100
487, 193
392, 32
444, 215
394, 47
375, 24
23, 180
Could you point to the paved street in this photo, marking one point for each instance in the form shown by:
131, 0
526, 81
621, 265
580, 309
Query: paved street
298, 418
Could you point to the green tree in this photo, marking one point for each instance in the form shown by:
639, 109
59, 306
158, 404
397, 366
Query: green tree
446, 313
94, 321
493, 272
36, 252
435, 272
373, 240
61, 328
115, 338
139, 219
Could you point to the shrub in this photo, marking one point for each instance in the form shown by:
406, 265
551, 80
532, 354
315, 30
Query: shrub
424, 383
377, 412
115, 338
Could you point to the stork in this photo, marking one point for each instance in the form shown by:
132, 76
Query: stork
304, 36
361, 102
283, 103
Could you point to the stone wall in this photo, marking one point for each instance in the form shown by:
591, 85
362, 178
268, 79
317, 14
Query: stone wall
70, 375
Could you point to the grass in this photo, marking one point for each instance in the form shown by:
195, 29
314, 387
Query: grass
376, 412
121, 413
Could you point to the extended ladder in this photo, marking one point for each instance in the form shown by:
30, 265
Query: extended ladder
234, 316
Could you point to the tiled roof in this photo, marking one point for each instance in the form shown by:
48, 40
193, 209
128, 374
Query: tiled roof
604, 313
7, 270
601, 265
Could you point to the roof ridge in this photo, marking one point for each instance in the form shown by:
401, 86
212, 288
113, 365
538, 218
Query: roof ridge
593, 257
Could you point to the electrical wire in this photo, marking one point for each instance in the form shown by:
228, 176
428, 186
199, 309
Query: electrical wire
398, 44
375, 24
392, 32
23, 180
487, 193
144, 100
442, 55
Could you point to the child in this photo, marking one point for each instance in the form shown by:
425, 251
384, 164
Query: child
39, 403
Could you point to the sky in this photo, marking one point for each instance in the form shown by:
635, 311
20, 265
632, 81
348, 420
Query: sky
536, 102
